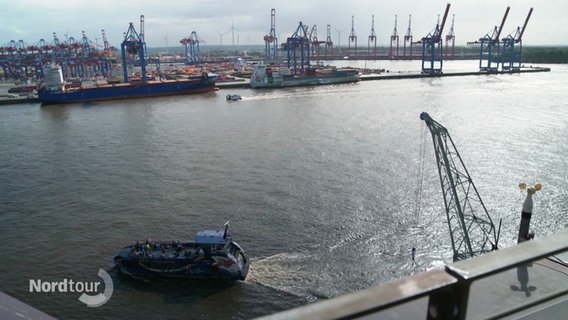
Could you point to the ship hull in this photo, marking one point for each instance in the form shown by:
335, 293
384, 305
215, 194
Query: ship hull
306, 80
128, 91
184, 260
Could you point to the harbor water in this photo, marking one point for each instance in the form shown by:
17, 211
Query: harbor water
324, 187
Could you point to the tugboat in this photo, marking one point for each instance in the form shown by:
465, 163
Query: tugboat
212, 255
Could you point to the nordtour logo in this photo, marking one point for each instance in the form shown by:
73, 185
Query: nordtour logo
69, 285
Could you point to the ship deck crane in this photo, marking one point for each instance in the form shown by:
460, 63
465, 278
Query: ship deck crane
432, 48
512, 55
472, 231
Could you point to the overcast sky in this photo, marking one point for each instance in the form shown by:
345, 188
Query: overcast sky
168, 21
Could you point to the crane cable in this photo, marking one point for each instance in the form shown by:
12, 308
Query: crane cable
420, 177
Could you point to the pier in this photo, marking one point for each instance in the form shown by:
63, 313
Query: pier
244, 83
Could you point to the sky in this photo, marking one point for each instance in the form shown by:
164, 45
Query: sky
245, 22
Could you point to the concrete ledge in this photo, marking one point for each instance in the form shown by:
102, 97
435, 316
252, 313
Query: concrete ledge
371, 300
12, 309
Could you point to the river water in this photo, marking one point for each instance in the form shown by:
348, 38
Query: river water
320, 184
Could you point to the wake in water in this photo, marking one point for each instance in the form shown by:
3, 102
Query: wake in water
352, 265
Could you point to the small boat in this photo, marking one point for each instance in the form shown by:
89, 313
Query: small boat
233, 97
212, 255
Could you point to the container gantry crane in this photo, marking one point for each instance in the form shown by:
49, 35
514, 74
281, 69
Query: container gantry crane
107, 56
490, 46
408, 39
191, 45
394, 40
328, 42
472, 231
512, 54
298, 50
314, 42
352, 38
13, 66
432, 48
451, 40
133, 45
372, 39
270, 40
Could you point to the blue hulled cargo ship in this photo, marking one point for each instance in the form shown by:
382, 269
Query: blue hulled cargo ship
55, 91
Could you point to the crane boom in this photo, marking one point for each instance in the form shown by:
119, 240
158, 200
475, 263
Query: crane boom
472, 231
520, 36
496, 38
439, 34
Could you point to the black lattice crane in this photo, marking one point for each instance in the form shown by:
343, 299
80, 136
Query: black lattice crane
451, 40
407, 40
472, 231
394, 40
352, 38
372, 39
270, 40
432, 57
490, 51
512, 54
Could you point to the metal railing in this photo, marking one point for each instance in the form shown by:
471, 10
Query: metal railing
484, 287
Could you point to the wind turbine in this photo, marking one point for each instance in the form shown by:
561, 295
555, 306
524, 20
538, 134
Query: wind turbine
221, 37
233, 32
339, 39
166, 38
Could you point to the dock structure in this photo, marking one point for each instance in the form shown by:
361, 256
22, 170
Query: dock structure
5, 99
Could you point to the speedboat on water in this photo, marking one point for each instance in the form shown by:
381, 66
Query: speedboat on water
212, 255
233, 97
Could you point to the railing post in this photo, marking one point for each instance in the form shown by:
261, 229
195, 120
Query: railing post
450, 303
